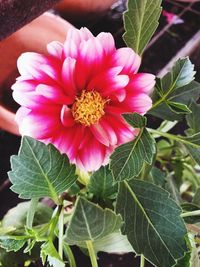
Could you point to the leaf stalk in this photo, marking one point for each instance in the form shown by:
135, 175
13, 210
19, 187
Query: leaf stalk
92, 253
142, 261
190, 213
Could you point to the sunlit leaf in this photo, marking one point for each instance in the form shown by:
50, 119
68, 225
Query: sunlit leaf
178, 87
178, 108
112, 243
11, 244
16, 216
49, 252
140, 22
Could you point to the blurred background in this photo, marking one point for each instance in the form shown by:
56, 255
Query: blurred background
178, 35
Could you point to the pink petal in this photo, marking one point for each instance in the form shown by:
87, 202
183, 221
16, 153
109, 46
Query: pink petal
25, 85
53, 71
24, 93
89, 62
140, 103
104, 133
109, 84
68, 141
68, 69
70, 49
21, 113
40, 126
39, 67
53, 93
92, 156
66, 117
74, 39
142, 83
55, 49
123, 131
100, 134
128, 59
107, 41
85, 34
85, 138
79, 35
100, 80
116, 87
112, 135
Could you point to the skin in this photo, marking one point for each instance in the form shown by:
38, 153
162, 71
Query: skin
81, 10
26, 39
7, 121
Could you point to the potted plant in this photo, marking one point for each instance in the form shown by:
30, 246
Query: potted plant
117, 183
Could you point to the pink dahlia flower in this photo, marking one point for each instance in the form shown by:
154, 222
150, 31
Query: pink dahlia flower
75, 96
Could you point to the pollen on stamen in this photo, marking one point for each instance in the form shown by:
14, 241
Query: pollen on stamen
88, 108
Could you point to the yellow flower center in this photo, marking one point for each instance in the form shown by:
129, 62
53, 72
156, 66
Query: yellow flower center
88, 108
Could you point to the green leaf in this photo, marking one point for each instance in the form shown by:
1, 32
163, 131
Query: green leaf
158, 177
11, 244
172, 188
185, 261
182, 95
140, 22
177, 86
164, 149
40, 171
135, 120
128, 159
102, 184
192, 145
112, 243
152, 222
6, 230
16, 217
90, 222
193, 119
48, 251
182, 73
178, 107
196, 198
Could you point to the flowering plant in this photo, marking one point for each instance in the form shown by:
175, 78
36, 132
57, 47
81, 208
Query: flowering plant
116, 185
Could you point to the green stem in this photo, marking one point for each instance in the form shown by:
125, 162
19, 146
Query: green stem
142, 261
83, 176
55, 221
158, 102
60, 235
194, 179
31, 212
190, 213
167, 135
92, 253
173, 137
69, 255
164, 96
